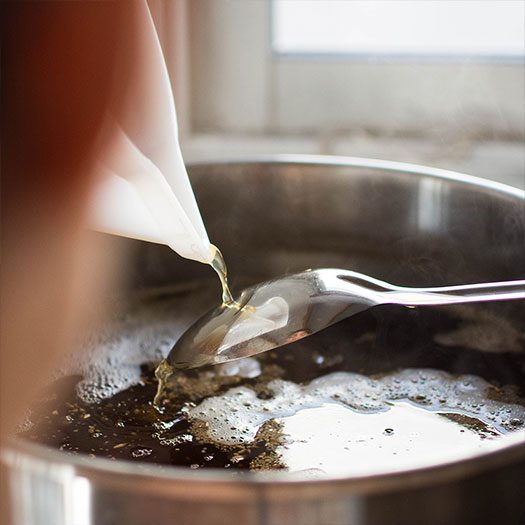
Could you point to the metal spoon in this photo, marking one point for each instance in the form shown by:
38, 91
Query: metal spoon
277, 312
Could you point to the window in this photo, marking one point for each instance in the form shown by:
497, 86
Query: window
447, 29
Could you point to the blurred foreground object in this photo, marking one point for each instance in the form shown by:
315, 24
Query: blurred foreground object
58, 83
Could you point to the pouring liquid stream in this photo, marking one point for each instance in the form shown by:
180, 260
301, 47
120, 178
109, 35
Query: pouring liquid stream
164, 370
219, 265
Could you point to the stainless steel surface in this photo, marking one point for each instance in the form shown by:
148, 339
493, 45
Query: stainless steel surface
274, 313
405, 224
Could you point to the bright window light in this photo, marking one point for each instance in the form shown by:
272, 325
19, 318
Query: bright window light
431, 28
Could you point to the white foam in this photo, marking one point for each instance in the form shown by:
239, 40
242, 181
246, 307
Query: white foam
110, 360
337, 422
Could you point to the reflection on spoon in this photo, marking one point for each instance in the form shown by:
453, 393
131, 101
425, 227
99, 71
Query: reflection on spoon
251, 323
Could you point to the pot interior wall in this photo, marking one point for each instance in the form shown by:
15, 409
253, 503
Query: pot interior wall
271, 218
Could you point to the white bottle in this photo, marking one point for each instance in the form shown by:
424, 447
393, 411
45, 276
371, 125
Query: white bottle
144, 191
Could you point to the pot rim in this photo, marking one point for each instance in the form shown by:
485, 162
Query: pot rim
227, 485
196, 484
362, 162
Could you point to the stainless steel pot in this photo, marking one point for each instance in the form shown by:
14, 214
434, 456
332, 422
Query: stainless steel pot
406, 224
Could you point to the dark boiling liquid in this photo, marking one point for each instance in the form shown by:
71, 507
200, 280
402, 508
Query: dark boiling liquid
127, 426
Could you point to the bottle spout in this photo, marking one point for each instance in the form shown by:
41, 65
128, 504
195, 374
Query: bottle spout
135, 200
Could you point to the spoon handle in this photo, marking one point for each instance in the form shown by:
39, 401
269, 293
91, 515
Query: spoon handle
469, 293
382, 292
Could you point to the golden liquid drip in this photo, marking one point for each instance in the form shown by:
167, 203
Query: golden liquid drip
219, 266
165, 370
162, 373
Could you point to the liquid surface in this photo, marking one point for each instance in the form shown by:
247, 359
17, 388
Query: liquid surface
382, 391
339, 423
